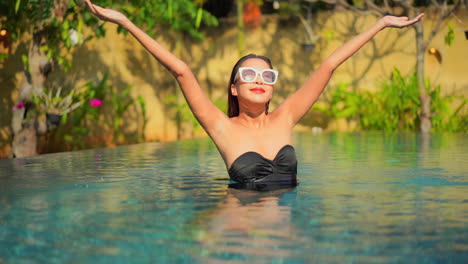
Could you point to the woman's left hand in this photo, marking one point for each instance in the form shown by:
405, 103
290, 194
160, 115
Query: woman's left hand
401, 22
106, 14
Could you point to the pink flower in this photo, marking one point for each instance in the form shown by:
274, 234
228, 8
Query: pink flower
18, 106
95, 103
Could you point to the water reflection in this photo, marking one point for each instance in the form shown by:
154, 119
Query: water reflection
250, 226
366, 198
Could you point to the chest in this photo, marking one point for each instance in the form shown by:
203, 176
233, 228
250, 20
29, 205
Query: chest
266, 141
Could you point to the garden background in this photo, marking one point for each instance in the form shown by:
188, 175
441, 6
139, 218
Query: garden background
140, 102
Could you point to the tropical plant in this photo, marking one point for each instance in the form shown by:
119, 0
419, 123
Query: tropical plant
98, 98
447, 114
120, 102
440, 10
395, 106
182, 115
56, 103
144, 117
55, 26
88, 116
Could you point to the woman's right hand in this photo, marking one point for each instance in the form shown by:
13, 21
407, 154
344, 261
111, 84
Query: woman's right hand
401, 22
106, 14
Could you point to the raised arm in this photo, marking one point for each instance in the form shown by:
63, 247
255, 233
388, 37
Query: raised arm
299, 103
204, 110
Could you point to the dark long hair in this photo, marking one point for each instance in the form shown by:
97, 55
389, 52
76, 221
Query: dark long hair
233, 103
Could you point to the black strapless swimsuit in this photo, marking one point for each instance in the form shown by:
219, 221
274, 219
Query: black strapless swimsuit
251, 167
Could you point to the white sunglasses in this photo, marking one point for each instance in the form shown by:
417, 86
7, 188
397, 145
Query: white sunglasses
249, 74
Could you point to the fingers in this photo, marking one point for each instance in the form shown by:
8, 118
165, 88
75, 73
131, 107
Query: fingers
417, 19
404, 21
419, 16
96, 10
91, 6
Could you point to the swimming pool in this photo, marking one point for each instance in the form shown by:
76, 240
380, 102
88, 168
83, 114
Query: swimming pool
362, 198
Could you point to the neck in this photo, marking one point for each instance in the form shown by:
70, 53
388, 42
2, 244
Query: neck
252, 118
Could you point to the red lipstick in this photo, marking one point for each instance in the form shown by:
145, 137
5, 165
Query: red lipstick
257, 90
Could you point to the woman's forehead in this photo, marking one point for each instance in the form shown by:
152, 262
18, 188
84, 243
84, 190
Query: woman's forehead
256, 63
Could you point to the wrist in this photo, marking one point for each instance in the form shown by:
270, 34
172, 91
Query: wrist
381, 24
125, 22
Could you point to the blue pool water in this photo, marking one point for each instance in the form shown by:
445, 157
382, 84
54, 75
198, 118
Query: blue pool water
362, 198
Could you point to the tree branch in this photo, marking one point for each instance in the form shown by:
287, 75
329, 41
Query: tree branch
310, 32
440, 21
387, 6
376, 8
346, 5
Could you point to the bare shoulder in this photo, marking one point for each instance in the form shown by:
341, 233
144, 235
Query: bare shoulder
217, 125
235, 137
281, 115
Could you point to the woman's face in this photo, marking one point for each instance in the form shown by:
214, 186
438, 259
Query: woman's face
256, 91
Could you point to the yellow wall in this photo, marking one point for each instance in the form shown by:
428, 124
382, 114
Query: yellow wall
212, 61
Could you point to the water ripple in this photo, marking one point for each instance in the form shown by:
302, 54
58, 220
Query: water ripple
365, 198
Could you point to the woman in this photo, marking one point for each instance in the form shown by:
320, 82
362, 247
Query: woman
254, 143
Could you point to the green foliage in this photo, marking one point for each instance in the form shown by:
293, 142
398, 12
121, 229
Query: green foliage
50, 20
288, 8
87, 118
446, 111
450, 37
182, 113
398, 102
395, 106
17, 5
120, 104
330, 35
60, 23
144, 115
92, 90
342, 103
185, 16
55, 26
56, 103
25, 60
291, 8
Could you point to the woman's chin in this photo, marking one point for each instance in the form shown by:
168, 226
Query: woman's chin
260, 98
259, 102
